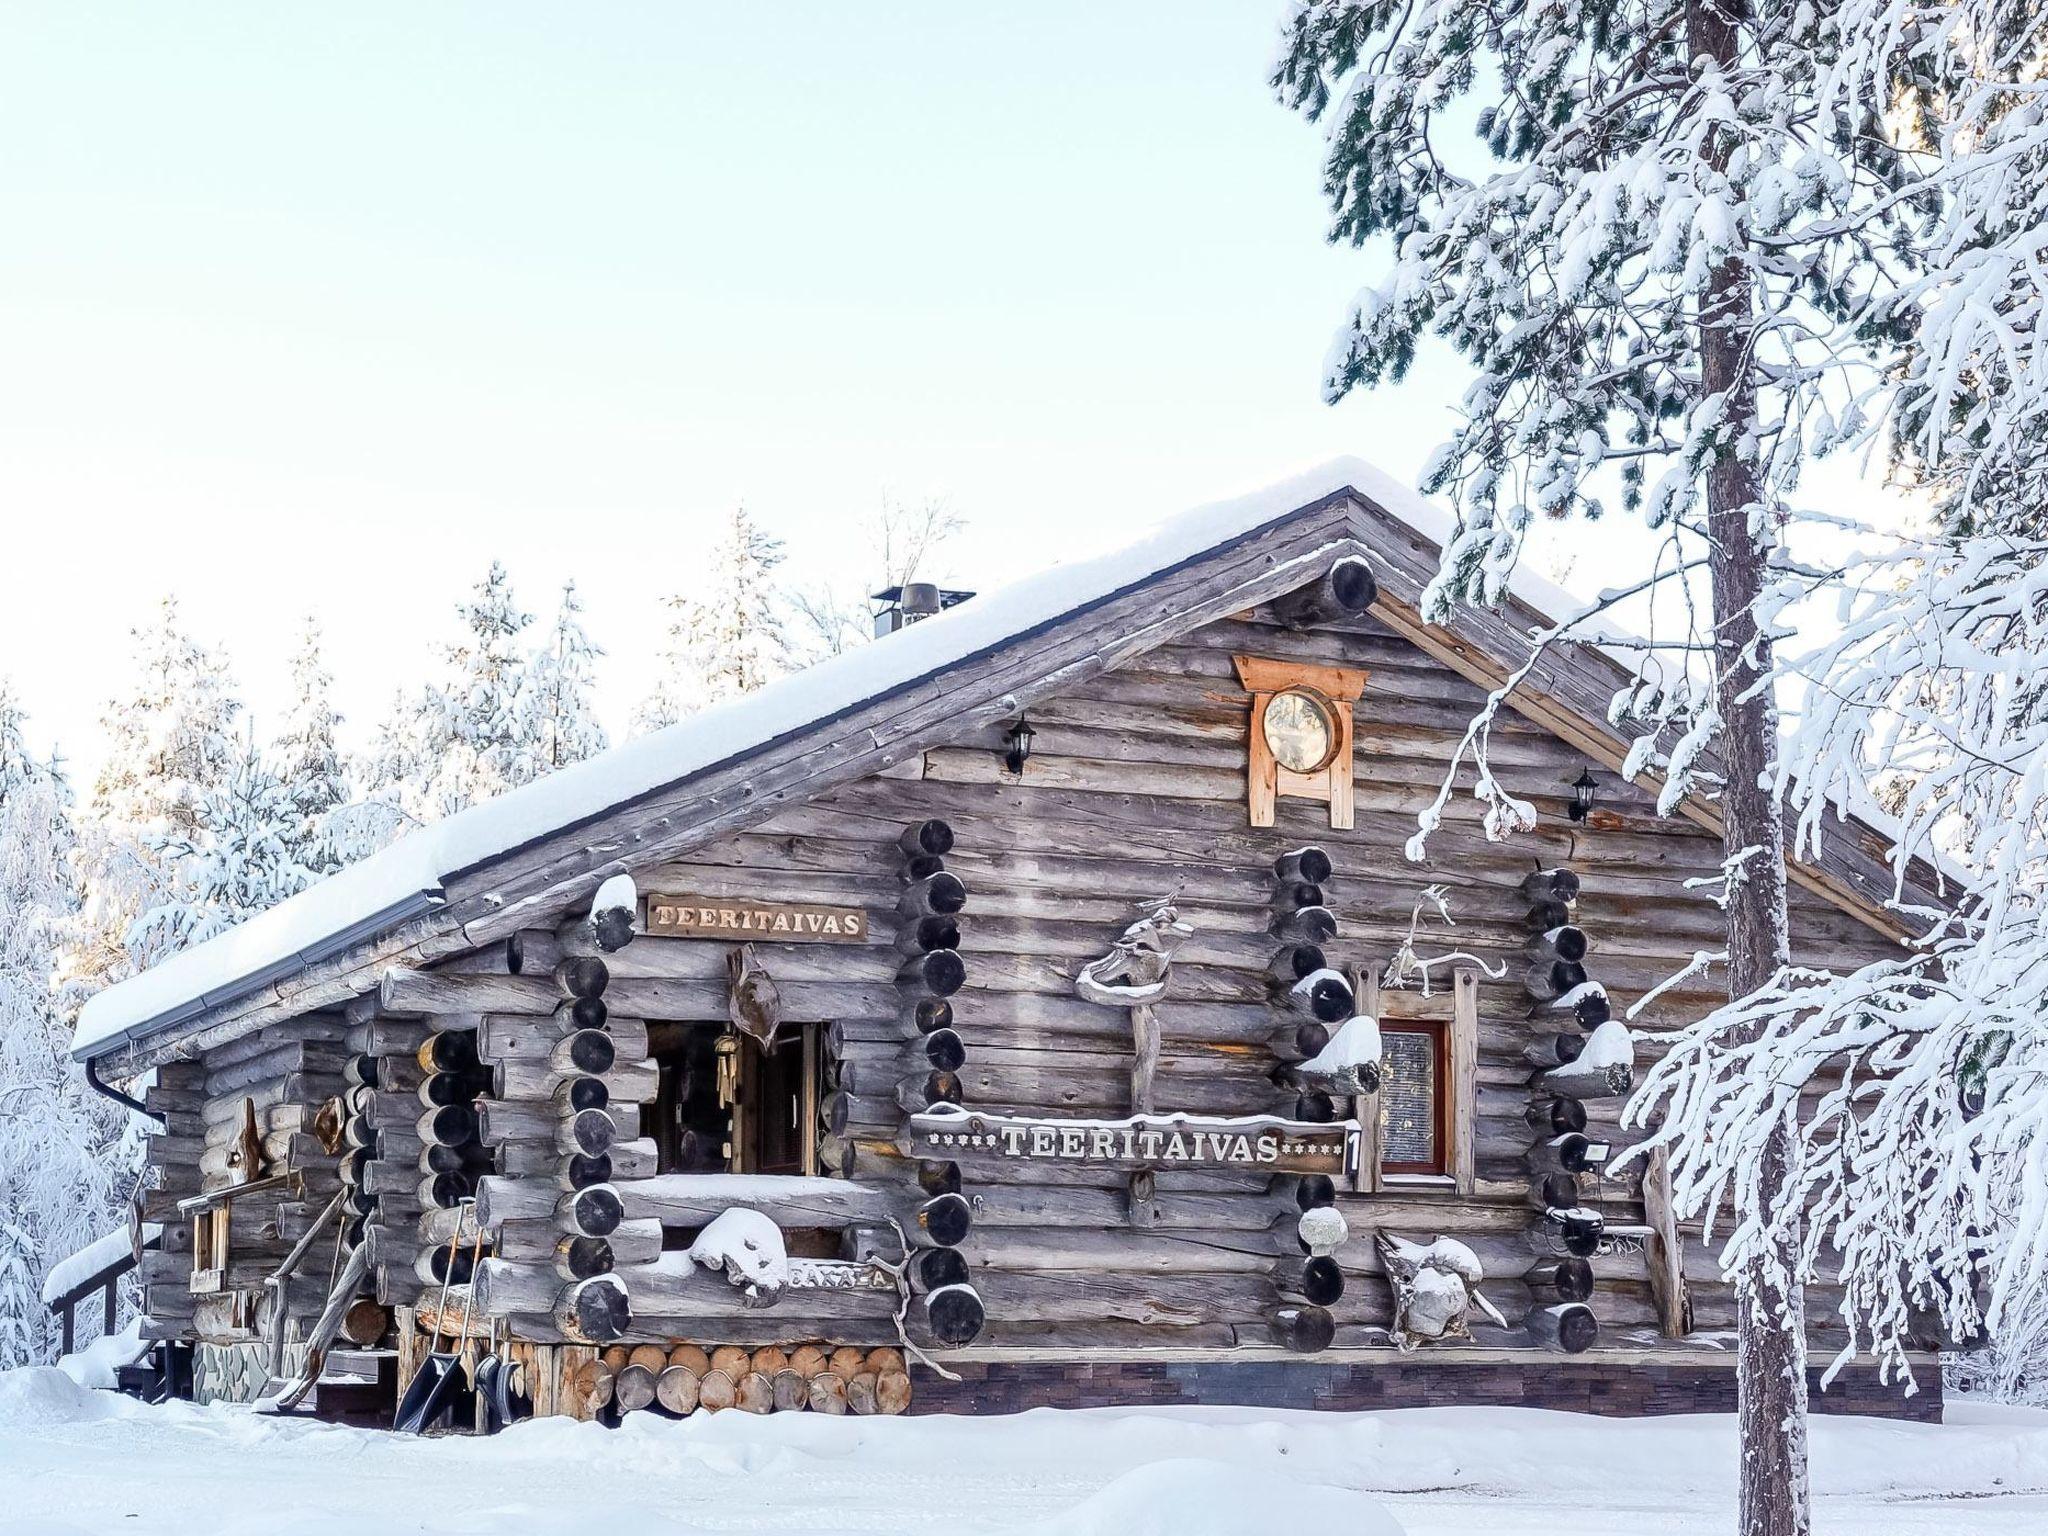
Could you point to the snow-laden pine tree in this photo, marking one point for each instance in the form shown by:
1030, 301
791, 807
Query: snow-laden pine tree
171, 742
236, 859
561, 677
310, 763
473, 732
726, 636
1921, 1148
1670, 256
64, 1169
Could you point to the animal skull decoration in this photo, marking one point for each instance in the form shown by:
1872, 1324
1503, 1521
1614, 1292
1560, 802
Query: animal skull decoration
1434, 1287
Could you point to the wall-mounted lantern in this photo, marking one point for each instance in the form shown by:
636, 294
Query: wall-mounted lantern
1017, 745
1582, 796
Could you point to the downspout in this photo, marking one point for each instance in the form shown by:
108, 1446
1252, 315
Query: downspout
106, 1091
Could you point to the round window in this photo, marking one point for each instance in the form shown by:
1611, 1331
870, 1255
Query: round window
1301, 730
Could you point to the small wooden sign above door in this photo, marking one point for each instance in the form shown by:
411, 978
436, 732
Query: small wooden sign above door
771, 922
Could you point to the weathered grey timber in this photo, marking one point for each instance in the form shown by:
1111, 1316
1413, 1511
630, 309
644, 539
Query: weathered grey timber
1134, 793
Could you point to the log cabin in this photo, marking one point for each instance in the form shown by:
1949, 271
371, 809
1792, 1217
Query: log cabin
1036, 1006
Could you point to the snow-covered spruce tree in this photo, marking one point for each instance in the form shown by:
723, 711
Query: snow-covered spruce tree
1663, 259
562, 673
315, 775
63, 1168
474, 731
171, 742
236, 859
727, 636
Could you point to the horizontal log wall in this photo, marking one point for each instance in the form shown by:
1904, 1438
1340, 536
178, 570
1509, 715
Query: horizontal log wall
286, 1073
1136, 788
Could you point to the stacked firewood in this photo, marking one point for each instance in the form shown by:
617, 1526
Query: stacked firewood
928, 933
1315, 998
1572, 1062
679, 1379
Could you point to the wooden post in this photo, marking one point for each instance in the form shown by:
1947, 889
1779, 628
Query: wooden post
1666, 1252
1464, 1084
1365, 1108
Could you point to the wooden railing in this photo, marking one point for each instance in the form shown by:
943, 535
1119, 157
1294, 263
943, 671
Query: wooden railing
107, 1281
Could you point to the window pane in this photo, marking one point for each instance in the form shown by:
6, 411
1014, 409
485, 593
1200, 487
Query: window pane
1408, 1100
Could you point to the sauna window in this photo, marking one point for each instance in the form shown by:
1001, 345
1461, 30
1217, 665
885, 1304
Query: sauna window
209, 1250
724, 1103
1414, 1098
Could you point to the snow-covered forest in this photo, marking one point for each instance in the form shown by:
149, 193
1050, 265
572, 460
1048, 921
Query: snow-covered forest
202, 815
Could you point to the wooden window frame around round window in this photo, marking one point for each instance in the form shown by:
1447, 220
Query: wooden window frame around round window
1266, 781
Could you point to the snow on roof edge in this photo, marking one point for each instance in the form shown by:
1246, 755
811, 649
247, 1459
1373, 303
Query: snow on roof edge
406, 879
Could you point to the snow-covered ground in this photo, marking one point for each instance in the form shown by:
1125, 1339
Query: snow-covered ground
77, 1461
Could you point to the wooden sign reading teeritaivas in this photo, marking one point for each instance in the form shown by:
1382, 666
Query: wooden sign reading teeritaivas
1145, 1141
727, 917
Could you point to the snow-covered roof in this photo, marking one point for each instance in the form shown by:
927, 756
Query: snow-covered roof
407, 879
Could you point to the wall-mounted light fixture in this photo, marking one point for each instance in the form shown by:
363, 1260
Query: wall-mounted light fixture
1017, 745
1582, 796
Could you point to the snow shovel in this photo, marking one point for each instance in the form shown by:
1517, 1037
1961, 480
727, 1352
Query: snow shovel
500, 1392
438, 1382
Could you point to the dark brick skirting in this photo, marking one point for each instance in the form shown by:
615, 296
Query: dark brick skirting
1611, 1387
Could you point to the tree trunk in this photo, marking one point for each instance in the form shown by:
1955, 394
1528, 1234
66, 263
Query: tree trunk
1771, 1345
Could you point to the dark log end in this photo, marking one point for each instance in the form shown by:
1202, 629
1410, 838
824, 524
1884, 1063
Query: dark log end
589, 1013
933, 1013
613, 928
946, 1219
597, 1210
1304, 1330
581, 1258
1322, 1282
1314, 1191
938, 1268
1352, 585
584, 976
596, 1310
1316, 1108
944, 1049
939, 1178
955, 1314
932, 839
1310, 1037
590, 1051
584, 1171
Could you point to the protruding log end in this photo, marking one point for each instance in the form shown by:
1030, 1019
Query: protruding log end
1310, 864
584, 976
936, 1268
1304, 1330
1347, 589
583, 1258
940, 973
595, 1211
937, 895
588, 1131
930, 839
954, 1314
594, 1311
588, 1051
1569, 1327
945, 1050
1562, 1279
946, 1219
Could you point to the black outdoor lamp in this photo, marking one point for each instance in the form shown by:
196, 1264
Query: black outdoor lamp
1017, 745
1582, 796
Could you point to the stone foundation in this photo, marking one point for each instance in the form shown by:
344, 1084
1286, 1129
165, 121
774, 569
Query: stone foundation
1618, 1387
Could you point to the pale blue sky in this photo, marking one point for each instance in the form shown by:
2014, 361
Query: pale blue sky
319, 307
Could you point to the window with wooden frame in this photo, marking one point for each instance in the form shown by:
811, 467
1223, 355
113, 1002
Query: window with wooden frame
1415, 1097
1422, 1129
